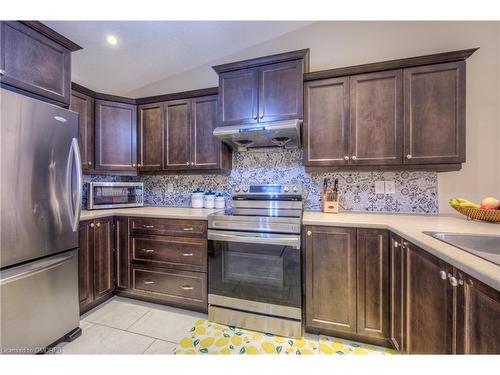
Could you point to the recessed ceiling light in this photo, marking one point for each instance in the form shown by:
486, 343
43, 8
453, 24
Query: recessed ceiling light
111, 39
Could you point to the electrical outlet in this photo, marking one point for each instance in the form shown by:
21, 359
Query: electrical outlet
390, 187
379, 187
170, 187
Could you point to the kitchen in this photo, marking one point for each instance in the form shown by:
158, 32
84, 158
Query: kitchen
269, 197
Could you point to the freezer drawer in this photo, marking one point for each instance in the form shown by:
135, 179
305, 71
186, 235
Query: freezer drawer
39, 303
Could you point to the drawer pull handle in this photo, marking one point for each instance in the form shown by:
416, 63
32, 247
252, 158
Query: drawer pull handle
187, 254
188, 229
148, 282
187, 287
148, 226
148, 250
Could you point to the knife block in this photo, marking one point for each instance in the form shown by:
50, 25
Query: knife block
329, 204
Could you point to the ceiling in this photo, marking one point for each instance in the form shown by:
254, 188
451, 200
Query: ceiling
150, 51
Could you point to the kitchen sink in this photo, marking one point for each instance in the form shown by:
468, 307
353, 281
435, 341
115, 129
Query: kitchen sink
481, 245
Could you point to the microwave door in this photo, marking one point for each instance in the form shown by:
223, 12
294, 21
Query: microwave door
41, 178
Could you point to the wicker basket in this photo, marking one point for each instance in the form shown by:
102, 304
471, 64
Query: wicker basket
478, 214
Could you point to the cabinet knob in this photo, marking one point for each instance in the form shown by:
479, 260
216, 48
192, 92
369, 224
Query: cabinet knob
255, 117
187, 163
396, 244
261, 115
443, 275
133, 164
90, 163
309, 233
139, 164
354, 157
2, 72
192, 163
92, 225
409, 156
346, 157
454, 281
98, 225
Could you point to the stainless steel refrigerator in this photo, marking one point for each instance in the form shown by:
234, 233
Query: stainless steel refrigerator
41, 191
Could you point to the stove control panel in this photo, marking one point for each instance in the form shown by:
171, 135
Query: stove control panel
269, 189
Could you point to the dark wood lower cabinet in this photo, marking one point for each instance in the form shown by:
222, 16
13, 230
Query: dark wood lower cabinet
397, 275
330, 274
96, 262
428, 303
373, 284
122, 252
478, 317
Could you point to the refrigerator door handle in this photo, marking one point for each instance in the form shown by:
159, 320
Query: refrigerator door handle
28, 270
74, 159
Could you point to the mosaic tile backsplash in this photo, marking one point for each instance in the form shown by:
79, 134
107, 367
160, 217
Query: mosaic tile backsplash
416, 192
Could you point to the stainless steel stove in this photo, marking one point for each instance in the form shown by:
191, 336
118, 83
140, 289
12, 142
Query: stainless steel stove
255, 260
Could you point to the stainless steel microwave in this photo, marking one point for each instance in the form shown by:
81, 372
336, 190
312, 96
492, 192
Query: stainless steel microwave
114, 195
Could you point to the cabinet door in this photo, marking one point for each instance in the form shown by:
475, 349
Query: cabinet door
205, 149
330, 279
373, 283
150, 137
85, 266
122, 252
428, 304
434, 114
376, 120
34, 63
116, 136
103, 258
478, 317
397, 292
281, 91
177, 135
84, 106
326, 122
238, 97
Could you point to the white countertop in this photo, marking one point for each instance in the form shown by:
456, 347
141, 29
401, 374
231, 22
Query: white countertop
157, 212
411, 227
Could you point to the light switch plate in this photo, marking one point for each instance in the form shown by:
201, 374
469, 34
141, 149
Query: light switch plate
379, 187
390, 187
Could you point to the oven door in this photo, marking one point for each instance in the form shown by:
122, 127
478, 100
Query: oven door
257, 272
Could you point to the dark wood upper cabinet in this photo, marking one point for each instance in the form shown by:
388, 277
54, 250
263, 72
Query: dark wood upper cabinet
330, 272
104, 280
150, 137
373, 284
115, 136
177, 134
32, 61
428, 303
281, 91
205, 148
268, 88
397, 274
84, 106
238, 97
85, 266
478, 317
376, 118
434, 114
326, 122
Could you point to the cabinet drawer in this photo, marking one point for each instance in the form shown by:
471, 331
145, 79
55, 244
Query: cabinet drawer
169, 227
181, 287
175, 252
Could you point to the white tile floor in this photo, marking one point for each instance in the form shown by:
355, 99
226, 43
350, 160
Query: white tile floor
126, 326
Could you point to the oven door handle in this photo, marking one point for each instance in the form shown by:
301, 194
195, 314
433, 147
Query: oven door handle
293, 241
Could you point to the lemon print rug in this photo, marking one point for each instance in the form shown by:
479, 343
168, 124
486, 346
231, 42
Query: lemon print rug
211, 338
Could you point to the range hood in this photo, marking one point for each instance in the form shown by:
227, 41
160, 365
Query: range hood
285, 134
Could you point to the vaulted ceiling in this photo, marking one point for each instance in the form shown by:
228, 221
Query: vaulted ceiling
151, 51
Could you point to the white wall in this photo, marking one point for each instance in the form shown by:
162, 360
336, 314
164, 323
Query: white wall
335, 44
